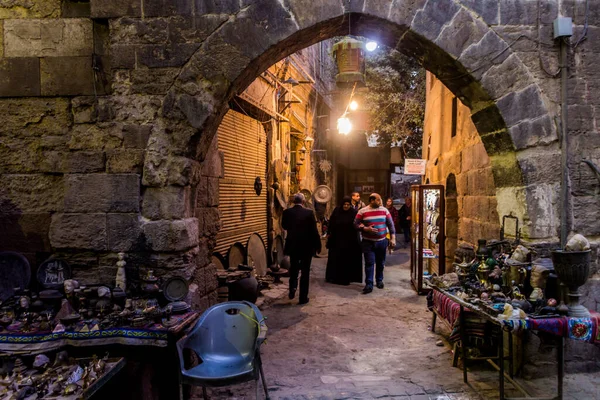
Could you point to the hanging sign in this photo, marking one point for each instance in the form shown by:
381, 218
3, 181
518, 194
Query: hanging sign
414, 166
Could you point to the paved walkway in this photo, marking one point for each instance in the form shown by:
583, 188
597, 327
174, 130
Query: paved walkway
345, 345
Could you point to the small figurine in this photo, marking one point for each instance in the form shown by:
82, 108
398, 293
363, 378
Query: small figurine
70, 285
24, 303
121, 278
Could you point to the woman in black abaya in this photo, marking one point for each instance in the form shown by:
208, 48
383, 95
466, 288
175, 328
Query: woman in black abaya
344, 264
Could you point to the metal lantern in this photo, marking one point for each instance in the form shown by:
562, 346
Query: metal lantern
349, 55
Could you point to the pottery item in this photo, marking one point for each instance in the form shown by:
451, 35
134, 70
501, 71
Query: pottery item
573, 269
150, 285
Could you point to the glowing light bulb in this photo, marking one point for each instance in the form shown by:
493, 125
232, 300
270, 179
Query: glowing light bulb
344, 126
353, 105
371, 45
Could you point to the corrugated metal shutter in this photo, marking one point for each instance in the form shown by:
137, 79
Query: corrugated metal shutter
244, 143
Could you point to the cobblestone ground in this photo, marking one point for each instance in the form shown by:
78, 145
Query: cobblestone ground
345, 345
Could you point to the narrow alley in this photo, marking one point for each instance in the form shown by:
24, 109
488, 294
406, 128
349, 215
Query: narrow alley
346, 345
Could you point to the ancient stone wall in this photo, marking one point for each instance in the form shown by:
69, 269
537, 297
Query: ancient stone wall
109, 108
454, 151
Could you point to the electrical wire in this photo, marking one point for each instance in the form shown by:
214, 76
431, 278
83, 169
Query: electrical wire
585, 25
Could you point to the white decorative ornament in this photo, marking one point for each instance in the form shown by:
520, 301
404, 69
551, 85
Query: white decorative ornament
373, 140
325, 165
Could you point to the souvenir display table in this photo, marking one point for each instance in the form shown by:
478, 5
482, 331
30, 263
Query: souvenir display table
155, 334
455, 311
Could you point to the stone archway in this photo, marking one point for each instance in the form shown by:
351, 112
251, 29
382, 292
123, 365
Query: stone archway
449, 39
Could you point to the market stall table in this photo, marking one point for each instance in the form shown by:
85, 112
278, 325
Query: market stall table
455, 309
155, 336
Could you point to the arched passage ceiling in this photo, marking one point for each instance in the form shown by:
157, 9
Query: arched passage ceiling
448, 38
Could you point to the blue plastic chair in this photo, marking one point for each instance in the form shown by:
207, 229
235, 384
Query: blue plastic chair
225, 342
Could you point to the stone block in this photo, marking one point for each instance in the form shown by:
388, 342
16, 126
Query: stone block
75, 9
207, 192
539, 131
115, 8
153, 80
519, 12
209, 219
518, 106
161, 56
430, 20
214, 163
586, 215
102, 193
136, 31
48, 38
580, 118
95, 137
486, 9
506, 171
171, 235
81, 162
83, 109
488, 120
462, 183
30, 9
543, 210
78, 231
584, 180
122, 56
31, 193
64, 76
19, 77
461, 33
136, 136
1, 38
178, 264
216, 6
474, 157
183, 172
173, 202
489, 51
27, 232
540, 166
124, 161
124, 232
508, 76
166, 8
194, 29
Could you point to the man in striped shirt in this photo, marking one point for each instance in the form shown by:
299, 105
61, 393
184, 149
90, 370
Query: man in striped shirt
374, 221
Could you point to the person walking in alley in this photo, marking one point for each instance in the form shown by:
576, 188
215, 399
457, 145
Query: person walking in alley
389, 204
404, 217
344, 263
372, 221
302, 242
357, 203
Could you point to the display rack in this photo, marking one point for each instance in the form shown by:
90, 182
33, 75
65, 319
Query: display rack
427, 234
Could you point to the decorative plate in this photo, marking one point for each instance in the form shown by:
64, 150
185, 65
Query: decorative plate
175, 288
256, 253
53, 273
14, 272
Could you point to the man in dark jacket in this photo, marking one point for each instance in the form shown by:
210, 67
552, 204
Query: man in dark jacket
302, 242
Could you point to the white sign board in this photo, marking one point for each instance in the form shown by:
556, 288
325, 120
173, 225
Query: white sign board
414, 166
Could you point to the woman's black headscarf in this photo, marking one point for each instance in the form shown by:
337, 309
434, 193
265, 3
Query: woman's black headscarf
346, 199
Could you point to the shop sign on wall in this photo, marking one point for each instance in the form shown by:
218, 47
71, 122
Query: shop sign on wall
414, 166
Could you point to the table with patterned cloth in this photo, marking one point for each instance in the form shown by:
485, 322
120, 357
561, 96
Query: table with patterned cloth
469, 320
155, 335
584, 329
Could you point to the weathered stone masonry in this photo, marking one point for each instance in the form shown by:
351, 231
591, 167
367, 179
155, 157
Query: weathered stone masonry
109, 108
